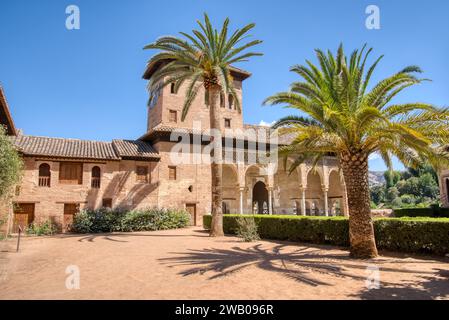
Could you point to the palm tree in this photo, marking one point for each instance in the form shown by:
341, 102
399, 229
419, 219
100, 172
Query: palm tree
203, 58
346, 117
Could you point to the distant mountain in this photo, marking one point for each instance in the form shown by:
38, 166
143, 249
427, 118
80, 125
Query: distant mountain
376, 178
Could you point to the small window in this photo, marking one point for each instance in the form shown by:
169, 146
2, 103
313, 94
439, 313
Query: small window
96, 177
222, 100
172, 88
142, 174
173, 115
227, 123
70, 173
107, 203
230, 101
172, 173
44, 175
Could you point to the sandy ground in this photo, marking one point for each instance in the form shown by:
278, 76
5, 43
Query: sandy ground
187, 264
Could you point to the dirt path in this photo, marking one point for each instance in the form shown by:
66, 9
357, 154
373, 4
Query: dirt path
187, 264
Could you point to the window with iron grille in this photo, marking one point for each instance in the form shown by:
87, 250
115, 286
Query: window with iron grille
142, 174
96, 177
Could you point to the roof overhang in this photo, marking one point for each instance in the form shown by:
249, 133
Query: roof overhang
5, 115
237, 73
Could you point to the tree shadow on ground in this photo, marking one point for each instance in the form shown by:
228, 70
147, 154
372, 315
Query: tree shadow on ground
429, 288
120, 236
302, 265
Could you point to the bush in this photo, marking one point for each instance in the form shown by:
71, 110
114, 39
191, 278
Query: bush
247, 229
154, 219
106, 220
417, 235
42, 229
433, 211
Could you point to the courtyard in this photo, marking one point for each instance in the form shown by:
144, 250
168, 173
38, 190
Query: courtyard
187, 264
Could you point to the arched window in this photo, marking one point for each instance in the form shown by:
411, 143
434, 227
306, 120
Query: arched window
230, 101
222, 100
44, 175
172, 88
96, 177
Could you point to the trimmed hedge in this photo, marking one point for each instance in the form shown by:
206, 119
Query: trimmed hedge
435, 212
106, 220
416, 235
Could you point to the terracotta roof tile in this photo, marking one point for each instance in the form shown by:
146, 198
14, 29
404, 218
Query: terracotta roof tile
134, 149
83, 149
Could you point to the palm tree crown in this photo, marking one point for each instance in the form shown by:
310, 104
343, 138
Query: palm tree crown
201, 58
345, 117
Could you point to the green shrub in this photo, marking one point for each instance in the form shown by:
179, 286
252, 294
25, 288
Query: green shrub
42, 229
417, 235
106, 220
247, 229
154, 219
434, 211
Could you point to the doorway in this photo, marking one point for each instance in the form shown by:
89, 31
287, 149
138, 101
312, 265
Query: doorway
260, 198
70, 209
191, 209
23, 216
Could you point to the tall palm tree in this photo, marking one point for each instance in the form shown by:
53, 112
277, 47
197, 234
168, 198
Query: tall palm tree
347, 117
203, 58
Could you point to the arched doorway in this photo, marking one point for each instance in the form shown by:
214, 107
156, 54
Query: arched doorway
260, 198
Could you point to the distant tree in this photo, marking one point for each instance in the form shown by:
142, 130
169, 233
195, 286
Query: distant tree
427, 186
391, 194
378, 194
408, 199
391, 178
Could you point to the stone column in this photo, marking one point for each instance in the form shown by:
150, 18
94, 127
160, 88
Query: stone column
326, 201
303, 201
270, 200
241, 199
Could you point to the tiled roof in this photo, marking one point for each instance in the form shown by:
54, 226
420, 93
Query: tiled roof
134, 149
152, 67
83, 149
164, 129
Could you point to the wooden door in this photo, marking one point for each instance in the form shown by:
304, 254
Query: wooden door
191, 208
23, 216
70, 209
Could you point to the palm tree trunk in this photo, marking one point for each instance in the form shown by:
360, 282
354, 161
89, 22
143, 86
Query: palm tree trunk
216, 229
361, 230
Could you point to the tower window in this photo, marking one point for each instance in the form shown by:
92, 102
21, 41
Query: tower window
227, 123
173, 116
230, 101
171, 173
172, 88
222, 100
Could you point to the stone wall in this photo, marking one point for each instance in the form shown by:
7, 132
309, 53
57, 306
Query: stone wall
198, 112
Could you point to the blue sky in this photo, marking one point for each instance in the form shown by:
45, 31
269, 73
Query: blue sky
87, 83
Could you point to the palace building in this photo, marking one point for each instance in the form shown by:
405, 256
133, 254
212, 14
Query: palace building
62, 176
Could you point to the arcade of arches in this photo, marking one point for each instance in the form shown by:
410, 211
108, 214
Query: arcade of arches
259, 189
